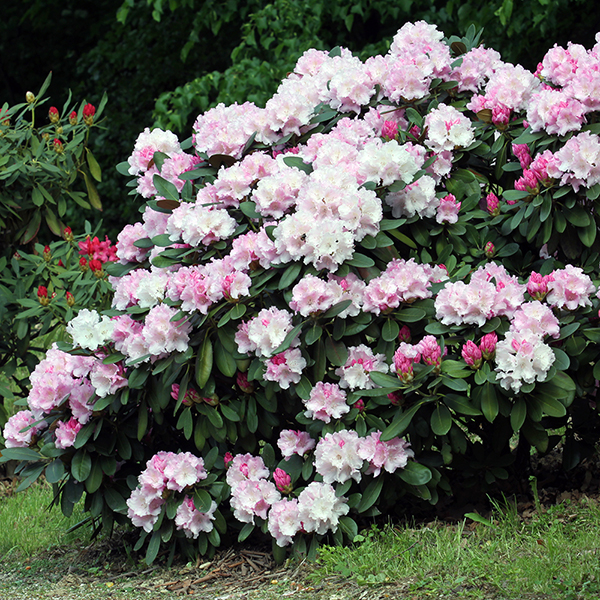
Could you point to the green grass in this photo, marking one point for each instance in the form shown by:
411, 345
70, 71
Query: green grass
551, 554
28, 527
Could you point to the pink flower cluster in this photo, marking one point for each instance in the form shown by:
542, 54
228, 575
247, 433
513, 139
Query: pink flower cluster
326, 401
339, 456
292, 442
316, 510
21, 429
473, 354
154, 338
251, 493
361, 361
474, 303
407, 355
166, 472
402, 281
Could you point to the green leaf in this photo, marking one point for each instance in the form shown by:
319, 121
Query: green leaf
551, 406
55, 471
336, 309
441, 420
81, 465
94, 481
229, 413
371, 494
153, 548
204, 362
298, 163
390, 330
518, 414
202, 500
461, 405
92, 192
410, 315
225, 362
400, 424
562, 360
165, 188
290, 275
246, 530
93, 165
489, 402
415, 474
313, 334
19, 454
336, 352
360, 261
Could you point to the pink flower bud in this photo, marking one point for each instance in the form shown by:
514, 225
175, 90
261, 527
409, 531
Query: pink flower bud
283, 481
242, 382
360, 405
493, 204
404, 367
537, 286
472, 354
489, 250
487, 345
404, 334
389, 131
227, 459
396, 398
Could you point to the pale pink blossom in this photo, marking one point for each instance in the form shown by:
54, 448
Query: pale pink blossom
326, 401
292, 442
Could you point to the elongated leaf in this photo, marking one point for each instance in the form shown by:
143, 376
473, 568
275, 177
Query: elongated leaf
153, 548
400, 425
204, 362
518, 414
415, 474
93, 165
489, 402
225, 362
202, 500
165, 188
290, 275
441, 420
337, 353
18, 454
371, 494
81, 465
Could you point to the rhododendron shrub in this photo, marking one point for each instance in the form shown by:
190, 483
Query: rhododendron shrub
378, 287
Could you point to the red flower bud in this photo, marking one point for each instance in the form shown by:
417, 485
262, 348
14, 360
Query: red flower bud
70, 299
95, 264
58, 146
42, 294
73, 118
89, 110
68, 234
83, 263
53, 114
47, 253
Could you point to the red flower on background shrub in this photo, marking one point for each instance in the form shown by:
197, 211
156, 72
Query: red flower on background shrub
89, 110
53, 114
